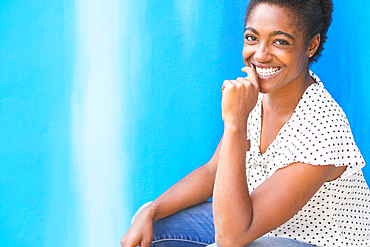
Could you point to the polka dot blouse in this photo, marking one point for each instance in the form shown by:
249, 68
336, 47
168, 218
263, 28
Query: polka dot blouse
318, 133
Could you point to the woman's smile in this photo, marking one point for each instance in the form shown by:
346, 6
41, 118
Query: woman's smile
267, 72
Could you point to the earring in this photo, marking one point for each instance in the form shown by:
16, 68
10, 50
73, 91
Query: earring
310, 55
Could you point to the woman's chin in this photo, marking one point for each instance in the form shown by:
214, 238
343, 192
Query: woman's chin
264, 89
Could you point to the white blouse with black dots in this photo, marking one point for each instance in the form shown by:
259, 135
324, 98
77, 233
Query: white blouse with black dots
318, 133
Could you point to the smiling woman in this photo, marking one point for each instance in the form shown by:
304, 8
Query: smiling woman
277, 49
287, 170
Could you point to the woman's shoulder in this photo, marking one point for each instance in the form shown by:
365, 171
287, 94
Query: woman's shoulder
318, 133
319, 106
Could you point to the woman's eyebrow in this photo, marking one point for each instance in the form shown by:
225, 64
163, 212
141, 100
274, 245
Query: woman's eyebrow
274, 33
252, 30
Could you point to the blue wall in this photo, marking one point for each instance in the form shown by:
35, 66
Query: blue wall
104, 104
36, 68
343, 69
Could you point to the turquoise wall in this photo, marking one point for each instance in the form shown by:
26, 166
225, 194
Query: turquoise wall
104, 104
37, 199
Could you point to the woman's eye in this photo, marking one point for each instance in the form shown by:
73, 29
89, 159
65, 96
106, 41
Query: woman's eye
250, 38
281, 42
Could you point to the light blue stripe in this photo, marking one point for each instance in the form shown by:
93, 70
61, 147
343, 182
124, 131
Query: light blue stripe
97, 122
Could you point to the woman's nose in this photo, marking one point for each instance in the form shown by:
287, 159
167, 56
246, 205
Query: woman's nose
262, 54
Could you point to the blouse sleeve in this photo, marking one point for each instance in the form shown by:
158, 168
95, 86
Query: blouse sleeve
319, 134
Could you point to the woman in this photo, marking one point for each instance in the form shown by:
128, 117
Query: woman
287, 171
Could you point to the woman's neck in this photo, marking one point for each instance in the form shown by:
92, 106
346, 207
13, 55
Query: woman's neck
283, 101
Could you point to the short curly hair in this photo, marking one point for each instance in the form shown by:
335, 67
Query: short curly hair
313, 16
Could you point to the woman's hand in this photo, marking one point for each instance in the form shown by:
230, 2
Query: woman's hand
239, 98
141, 231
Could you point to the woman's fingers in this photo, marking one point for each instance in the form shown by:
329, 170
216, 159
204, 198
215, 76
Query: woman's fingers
243, 81
240, 97
143, 243
252, 75
235, 84
140, 232
138, 235
238, 100
146, 242
227, 85
128, 243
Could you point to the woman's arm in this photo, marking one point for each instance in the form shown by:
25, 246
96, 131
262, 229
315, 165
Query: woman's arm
195, 188
241, 217
232, 205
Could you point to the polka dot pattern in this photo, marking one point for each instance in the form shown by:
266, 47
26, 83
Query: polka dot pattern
318, 133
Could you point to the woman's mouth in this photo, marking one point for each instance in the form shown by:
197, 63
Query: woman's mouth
267, 72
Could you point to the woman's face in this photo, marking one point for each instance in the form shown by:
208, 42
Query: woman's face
274, 47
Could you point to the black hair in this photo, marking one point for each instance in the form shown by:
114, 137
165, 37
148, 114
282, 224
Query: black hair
313, 16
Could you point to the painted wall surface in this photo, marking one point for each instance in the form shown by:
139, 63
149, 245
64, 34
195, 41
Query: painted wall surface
104, 104
37, 199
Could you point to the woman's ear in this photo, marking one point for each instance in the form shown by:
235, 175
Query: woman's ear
314, 45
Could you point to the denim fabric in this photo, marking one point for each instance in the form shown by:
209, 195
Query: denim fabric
193, 227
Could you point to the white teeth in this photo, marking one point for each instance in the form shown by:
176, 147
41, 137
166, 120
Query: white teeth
264, 72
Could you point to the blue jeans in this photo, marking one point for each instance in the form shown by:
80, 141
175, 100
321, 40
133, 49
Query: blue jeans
193, 227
